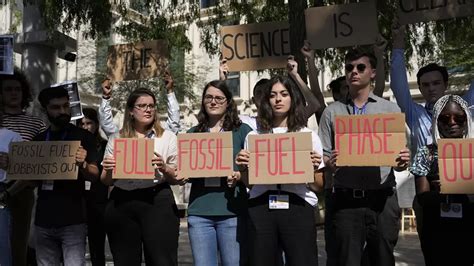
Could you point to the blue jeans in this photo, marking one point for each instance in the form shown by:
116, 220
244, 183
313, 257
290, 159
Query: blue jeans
70, 241
5, 229
207, 234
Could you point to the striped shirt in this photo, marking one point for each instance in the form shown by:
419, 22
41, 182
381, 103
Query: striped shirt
26, 125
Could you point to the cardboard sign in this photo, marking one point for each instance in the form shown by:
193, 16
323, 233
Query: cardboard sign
6, 54
205, 155
369, 140
43, 160
256, 46
341, 25
413, 11
281, 158
456, 166
74, 99
133, 158
134, 61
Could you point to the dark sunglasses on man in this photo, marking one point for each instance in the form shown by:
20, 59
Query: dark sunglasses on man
360, 67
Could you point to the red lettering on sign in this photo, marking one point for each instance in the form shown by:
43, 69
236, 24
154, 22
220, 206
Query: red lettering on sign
469, 173
453, 148
181, 152
202, 154
340, 129
386, 135
131, 165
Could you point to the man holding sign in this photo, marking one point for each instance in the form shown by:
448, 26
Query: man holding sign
60, 211
362, 213
447, 212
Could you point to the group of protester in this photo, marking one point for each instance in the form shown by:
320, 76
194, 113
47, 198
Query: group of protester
228, 220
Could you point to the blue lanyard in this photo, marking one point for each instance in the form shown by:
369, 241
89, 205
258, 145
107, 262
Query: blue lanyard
360, 111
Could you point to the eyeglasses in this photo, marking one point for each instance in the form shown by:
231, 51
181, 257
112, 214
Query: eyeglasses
458, 119
360, 67
144, 106
218, 99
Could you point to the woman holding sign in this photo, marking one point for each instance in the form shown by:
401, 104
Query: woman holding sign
282, 215
448, 219
142, 213
217, 205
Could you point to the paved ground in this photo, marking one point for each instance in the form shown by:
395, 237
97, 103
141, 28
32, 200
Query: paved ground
407, 252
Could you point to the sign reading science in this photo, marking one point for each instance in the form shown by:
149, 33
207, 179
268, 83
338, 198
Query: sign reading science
256, 46
413, 11
341, 25
369, 140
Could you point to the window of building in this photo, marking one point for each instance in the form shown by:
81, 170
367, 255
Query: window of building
208, 3
233, 81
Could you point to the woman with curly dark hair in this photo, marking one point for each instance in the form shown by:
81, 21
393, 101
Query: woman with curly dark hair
216, 205
271, 228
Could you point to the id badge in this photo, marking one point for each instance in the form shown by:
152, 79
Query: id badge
88, 185
278, 202
451, 210
212, 182
47, 185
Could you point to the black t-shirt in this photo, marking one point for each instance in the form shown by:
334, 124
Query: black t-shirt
65, 204
98, 193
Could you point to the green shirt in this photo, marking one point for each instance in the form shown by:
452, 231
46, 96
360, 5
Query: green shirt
222, 200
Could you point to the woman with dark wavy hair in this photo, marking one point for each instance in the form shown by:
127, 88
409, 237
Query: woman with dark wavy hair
217, 205
272, 227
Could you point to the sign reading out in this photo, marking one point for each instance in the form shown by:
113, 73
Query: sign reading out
413, 11
43, 160
133, 158
341, 25
256, 46
455, 162
205, 155
369, 140
135, 61
281, 158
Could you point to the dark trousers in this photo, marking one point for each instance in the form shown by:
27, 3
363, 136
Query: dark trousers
361, 231
147, 217
21, 206
293, 230
96, 232
446, 241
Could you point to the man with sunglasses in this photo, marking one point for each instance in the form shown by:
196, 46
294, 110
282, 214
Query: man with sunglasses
432, 82
362, 210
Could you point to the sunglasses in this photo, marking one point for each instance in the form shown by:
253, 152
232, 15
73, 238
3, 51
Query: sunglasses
360, 67
458, 119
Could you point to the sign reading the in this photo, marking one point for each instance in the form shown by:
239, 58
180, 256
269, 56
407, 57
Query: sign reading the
133, 158
135, 61
369, 140
413, 11
205, 155
341, 25
256, 46
281, 158
455, 162
43, 160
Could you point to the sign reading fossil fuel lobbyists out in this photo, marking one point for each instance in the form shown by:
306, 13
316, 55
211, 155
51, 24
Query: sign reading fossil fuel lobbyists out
456, 166
413, 11
341, 25
43, 160
205, 155
133, 158
280, 158
256, 46
369, 140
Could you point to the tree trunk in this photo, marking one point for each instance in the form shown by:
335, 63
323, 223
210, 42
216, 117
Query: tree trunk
297, 33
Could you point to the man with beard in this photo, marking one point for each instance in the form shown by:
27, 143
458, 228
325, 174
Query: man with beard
60, 221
